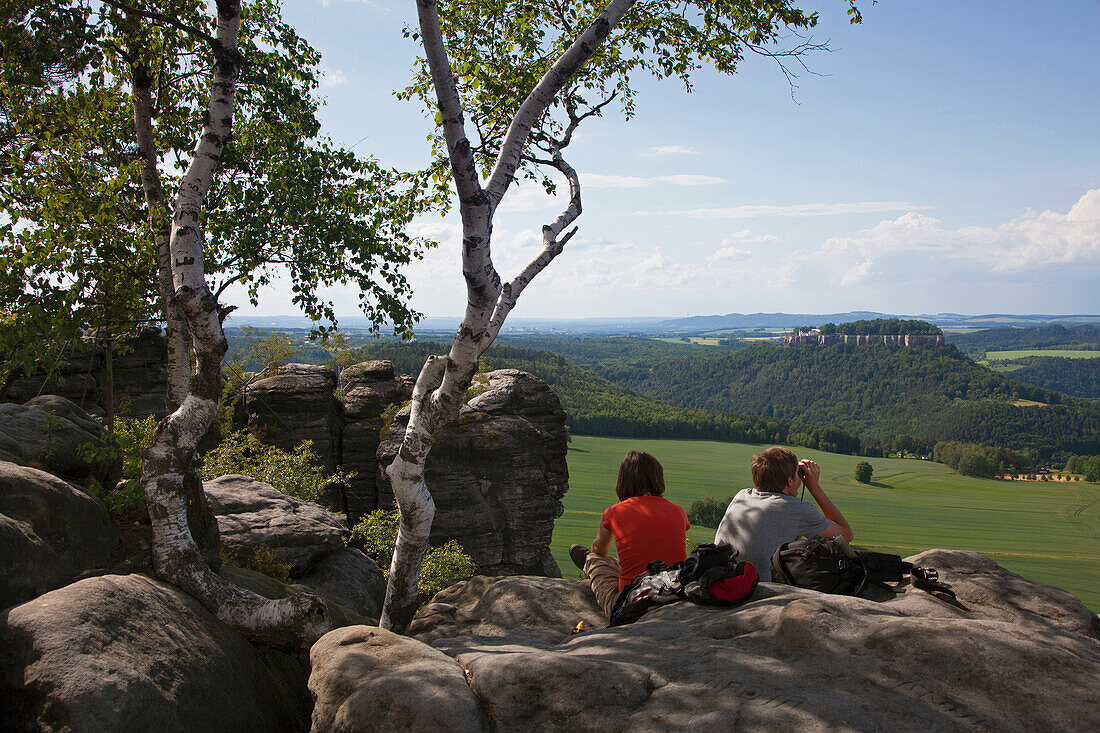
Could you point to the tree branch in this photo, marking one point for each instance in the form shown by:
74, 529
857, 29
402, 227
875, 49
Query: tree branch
165, 19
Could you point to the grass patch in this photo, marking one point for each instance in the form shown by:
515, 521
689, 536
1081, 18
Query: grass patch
1023, 353
1028, 403
1046, 531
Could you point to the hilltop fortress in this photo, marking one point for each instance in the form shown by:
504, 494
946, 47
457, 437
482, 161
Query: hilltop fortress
861, 333
804, 338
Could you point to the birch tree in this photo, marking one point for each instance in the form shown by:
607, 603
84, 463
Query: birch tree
529, 74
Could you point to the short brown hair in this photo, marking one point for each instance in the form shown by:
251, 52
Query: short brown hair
772, 469
640, 475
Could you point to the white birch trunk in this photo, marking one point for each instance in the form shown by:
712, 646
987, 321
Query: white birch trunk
443, 380
293, 622
201, 519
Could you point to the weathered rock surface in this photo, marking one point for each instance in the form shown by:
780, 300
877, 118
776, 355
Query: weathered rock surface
50, 532
350, 578
128, 653
368, 389
302, 534
369, 679
1022, 657
297, 404
497, 475
55, 435
251, 513
140, 376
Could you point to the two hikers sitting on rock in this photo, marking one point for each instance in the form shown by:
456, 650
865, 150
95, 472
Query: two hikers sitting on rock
644, 525
761, 519
648, 527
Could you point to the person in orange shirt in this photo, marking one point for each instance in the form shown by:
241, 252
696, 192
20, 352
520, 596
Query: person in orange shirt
644, 525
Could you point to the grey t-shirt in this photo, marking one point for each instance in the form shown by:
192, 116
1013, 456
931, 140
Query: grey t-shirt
756, 523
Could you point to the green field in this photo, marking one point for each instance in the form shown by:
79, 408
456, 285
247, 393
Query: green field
1065, 353
1046, 532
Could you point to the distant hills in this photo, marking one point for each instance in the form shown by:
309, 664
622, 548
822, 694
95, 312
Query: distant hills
663, 326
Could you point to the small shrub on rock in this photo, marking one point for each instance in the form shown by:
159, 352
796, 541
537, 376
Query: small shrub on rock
263, 560
296, 473
376, 535
126, 500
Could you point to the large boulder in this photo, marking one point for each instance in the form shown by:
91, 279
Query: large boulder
786, 659
57, 436
252, 514
497, 475
307, 537
368, 679
368, 389
50, 532
128, 653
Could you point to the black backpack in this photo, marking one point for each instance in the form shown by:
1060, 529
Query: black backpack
711, 575
833, 566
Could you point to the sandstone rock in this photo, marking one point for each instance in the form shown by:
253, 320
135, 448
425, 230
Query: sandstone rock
53, 434
1000, 594
368, 389
295, 405
348, 577
49, 533
140, 379
127, 653
251, 514
369, 679
786, 659
497, 475
488, 606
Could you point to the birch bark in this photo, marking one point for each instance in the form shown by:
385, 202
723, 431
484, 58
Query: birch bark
297, 620
443, 380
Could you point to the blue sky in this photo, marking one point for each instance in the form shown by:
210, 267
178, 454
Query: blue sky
946, 160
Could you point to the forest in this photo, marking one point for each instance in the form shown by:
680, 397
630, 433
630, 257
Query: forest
1085, 336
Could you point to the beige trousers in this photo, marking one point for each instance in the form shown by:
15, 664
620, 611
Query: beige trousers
602, 572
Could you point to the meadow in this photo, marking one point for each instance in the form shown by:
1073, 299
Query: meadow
1046, 532
1023, 353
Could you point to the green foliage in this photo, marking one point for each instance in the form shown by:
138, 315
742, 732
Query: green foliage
262, 351
263, 560
708, 511
1087, 465
77, 251
981, 460
881, 326
376, 535
296, 473
125, 501
1077, 377
863, 472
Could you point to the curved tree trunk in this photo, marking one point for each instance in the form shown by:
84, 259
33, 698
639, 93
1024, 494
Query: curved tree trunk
293, 622
200, 516
443, 380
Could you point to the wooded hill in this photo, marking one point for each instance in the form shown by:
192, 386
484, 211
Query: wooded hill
1085, 336
932, 393
596, 406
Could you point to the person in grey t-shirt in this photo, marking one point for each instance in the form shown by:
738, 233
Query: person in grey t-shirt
762, 518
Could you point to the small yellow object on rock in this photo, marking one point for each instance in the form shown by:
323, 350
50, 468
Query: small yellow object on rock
579, 627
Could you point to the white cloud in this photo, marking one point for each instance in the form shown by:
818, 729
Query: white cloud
793, 210
1035, 240
746, 236
669, 150
334, 78
533, 197
596, 180
731, 253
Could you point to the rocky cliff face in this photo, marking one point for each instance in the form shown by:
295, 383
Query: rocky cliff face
140, 377
497, 474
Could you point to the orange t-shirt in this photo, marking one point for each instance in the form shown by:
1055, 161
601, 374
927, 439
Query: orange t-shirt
646, 528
